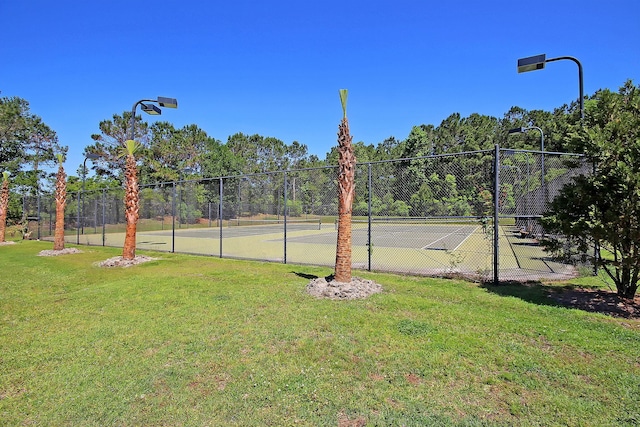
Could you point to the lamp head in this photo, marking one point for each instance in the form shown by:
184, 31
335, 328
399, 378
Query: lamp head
531, 63
167, 102
151, 109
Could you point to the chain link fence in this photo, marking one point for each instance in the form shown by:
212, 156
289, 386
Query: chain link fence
434, 215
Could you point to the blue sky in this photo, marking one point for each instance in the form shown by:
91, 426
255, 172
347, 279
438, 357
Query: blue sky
275, 67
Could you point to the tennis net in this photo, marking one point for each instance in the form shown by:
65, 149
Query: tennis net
293, 224
420, 221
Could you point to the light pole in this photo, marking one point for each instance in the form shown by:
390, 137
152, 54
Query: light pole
150, 109
91, 156
538, 62
517, 169
132, 197
542, 170
524, 129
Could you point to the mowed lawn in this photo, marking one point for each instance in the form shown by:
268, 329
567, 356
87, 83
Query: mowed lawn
198, 341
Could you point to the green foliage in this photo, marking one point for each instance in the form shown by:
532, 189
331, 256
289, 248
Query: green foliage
603, 208
27, 144
294, 207
112, 138
439, 197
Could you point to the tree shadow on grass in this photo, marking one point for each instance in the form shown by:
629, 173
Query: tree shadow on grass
305, 275
588, 299
328, 278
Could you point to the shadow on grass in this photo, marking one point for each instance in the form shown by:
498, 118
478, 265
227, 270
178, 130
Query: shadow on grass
305, 275
569, 296
533, 292
328, 278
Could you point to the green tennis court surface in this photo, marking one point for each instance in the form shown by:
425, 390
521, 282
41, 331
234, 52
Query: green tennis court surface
426, 237
418, 248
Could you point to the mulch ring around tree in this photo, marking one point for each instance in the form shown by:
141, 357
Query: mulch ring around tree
118, 261
65, 251
357, 288
599, 301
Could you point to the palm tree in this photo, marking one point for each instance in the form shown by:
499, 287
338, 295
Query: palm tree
61, 200
346, 193
4, 204
131, 199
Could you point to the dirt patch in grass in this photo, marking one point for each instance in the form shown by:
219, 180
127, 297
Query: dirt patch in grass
599, 301
345, 421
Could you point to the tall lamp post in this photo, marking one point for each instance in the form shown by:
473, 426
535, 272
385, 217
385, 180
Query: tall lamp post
91, 156
150, 109
542, 170
538, 62
132, 196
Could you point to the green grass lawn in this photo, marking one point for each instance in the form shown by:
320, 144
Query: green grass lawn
195, 341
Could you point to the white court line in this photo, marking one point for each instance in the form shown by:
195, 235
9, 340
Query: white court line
445, 236
465, 239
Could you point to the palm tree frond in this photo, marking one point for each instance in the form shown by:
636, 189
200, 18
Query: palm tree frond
344, 93
130, 147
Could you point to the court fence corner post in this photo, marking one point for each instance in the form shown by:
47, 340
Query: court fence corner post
496, 215
370, 192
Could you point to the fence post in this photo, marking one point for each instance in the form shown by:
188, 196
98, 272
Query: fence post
285, 216
38, 208
369, 247
78, 221
496, 214
104, 216
173, 219
596, 244
220, 216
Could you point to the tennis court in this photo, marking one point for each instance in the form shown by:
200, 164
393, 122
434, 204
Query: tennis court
400, 235
241, 227
389, 234
418, 246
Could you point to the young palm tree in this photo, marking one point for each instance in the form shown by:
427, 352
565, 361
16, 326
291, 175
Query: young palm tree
4, 204
346, 193
131, 199
61, 200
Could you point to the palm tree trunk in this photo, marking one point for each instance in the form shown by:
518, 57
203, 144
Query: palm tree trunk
131, 204
61, 200
346, 193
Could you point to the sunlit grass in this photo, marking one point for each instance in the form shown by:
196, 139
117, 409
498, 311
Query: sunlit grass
201, 341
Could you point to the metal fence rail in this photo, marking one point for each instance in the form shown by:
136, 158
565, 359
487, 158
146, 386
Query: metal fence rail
473, 214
